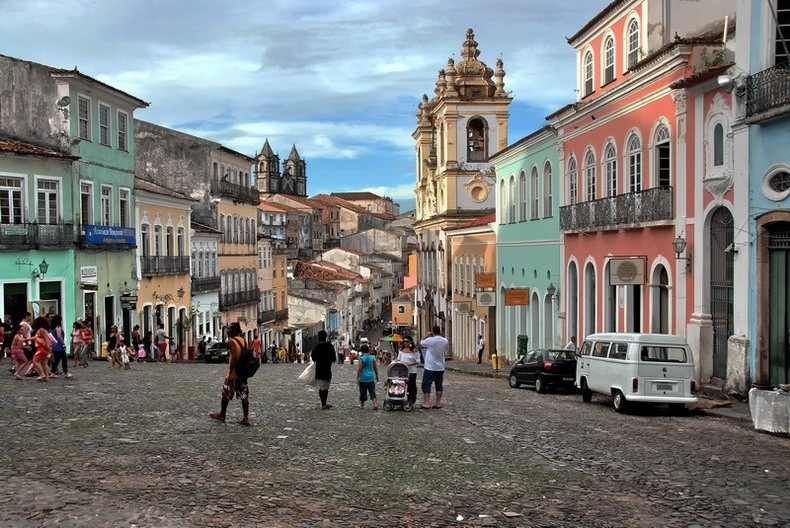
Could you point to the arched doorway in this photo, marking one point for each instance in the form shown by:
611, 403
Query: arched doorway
534, 338
573, 302
589, 299
721, 286
660, 310
548, 322
610, 301
778, 302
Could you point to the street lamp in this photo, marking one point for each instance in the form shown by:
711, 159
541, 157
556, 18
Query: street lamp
41, 270
679, 244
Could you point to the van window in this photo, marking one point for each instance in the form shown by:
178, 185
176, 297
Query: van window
557, 355
664, 354
619, 351
600, 349
586, 348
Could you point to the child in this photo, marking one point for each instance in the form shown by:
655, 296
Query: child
18, 352
367, 376
173, 351
124, 350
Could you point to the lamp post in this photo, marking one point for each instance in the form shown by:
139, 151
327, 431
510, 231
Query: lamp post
679, 245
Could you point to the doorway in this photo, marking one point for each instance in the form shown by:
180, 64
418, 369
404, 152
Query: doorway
660, 292
779, 301
109, 315
15, 300
721, 286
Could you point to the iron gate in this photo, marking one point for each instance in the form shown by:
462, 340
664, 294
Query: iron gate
721, 283
779, 300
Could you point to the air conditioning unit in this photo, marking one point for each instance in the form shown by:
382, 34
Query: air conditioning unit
486, 298
463, 307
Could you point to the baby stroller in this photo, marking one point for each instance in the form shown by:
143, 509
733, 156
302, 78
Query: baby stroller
397, 384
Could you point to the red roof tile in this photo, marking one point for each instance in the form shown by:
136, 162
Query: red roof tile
22, 148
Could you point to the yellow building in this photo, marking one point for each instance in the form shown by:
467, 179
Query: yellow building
403, 308
163, 262
464, 124
279, 295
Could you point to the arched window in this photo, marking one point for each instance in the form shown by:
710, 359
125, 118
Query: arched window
588, 74
222, 227
589, 176
522, 196
512, 200
573, 182
170, 242
590, 299
608, 61
502, 203
533, 190
633, 43
663, 157
548, 198
718, 145
635, 163
145, 239
476, 141
610, 159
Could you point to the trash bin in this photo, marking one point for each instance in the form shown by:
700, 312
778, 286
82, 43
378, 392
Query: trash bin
104, 347
495, 361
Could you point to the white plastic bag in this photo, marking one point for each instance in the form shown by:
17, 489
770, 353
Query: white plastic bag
308, 374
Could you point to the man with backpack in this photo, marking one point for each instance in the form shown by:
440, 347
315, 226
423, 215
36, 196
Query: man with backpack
242, 365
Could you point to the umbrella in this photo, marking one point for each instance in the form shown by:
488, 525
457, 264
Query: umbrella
394, 338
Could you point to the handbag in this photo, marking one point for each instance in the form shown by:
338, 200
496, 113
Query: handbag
308, 374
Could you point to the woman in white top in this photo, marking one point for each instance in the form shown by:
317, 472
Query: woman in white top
409, 355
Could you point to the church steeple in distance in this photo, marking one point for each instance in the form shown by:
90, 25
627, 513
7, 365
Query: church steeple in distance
293, 179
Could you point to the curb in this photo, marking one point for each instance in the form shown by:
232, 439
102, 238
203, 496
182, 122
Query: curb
482, 374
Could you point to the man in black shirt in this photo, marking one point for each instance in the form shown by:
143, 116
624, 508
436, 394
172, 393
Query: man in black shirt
324, 355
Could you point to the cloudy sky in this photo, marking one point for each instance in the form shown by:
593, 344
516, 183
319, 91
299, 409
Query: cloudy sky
340, 79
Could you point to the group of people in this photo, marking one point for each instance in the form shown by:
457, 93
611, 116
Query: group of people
38, 347
324, 356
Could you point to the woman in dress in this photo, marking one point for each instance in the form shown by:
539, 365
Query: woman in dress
409, 355
76, 342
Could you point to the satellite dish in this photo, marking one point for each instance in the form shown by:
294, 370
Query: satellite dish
64, 101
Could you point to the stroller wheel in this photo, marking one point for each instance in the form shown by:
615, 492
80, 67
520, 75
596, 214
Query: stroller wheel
387, 406
408, 406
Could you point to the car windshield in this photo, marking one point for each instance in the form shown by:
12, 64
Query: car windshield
561, 355
664, 354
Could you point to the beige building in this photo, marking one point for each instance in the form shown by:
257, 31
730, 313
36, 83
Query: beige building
279, 295
464, 124
371, 202
163, 263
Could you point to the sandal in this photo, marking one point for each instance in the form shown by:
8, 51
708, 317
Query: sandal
244, 422
437, 406
216, 416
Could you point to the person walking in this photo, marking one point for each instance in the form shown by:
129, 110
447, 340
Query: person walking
87, 344
8, 336
76, 342
161, 343
436, 347
59, 347
571, 344
409, 355
136, 342
112, 347
324, 355
367, 376
43, 340
18, 352
233, 384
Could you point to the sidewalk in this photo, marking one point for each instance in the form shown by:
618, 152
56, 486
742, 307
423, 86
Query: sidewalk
733, 410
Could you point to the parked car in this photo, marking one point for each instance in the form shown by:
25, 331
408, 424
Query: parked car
364, 341
649, 368
217, 352
544, 368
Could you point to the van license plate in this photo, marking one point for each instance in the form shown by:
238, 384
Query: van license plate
665, 386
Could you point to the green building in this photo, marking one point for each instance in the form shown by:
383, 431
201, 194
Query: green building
528, 243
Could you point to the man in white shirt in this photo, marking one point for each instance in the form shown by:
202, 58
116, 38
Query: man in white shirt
571, 344
481, 345
433, 372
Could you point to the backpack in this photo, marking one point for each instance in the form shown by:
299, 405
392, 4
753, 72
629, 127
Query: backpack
247, 364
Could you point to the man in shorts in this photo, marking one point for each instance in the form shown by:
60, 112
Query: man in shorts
433, 372
234, 385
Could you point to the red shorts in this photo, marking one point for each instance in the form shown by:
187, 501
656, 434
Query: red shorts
19, 355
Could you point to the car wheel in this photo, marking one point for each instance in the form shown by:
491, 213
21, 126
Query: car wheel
540, 385
513, 380
619, 401
586, 392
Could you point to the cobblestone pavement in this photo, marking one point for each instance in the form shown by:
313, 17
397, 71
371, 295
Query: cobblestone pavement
136, 448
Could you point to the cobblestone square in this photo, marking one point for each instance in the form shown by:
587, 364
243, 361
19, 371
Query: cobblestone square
136, 448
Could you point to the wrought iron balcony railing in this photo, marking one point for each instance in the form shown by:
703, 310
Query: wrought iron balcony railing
265, 316
617, 212
229, 300
159, 265
29, 235
281, 315
204, 284
236, 192
768, 90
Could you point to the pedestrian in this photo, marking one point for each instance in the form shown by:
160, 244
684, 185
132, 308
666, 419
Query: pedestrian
367, 376
59, 347
298, 352
136, 341
341, 354
273, 351
76, 342
256, 346
233, 384
8, 336
18, 352
409, 355
87, 343
44, 341
571, 344
173, 350
112, 347
282, 355
324, 355
28, 333
147, 338
481, 345
161, 343
433, 373
201, 347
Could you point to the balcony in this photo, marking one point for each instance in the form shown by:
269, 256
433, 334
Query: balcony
281, 315
237, 193
768, 93
619, 212
164, 265
205, 284
29, 236
266, 316
229, 300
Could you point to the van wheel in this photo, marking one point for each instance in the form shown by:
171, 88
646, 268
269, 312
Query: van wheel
513, 380
586, 392
619, 401
540, 385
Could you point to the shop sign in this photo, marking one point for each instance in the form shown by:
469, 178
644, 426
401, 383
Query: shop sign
109, 235
485, 281
517, 297
627, 270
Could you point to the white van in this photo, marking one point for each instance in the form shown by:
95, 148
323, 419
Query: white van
649, 368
